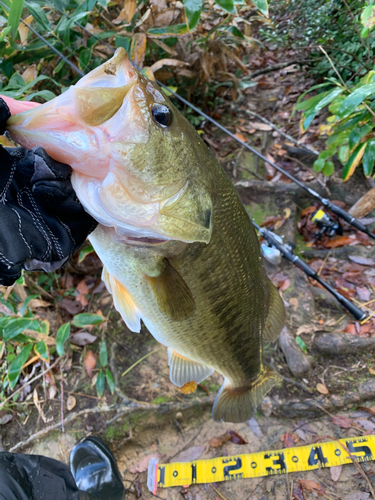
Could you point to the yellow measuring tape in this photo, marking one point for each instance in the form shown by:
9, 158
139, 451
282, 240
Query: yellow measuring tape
265, 463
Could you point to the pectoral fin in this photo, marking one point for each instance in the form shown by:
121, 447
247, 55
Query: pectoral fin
182, 370
276, 316
123, 302
172, 294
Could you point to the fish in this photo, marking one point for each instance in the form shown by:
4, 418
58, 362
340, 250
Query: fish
179, 250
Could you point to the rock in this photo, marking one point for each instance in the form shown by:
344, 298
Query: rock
341, 343
298, 361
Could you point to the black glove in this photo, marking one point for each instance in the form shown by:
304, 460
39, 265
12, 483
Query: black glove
41, 220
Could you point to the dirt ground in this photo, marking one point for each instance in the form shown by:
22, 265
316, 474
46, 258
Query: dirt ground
146, 415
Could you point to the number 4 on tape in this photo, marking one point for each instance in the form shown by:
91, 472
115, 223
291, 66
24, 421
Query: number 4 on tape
267, 463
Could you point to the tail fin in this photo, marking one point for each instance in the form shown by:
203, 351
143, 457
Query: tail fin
238, 404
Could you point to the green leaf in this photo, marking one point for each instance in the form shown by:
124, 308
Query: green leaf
15, 326
262, 6
26, 303
45, 94
301, 343
100, 384
310, 103
353, 161
369, 157
193, 10
42, 350
62, 336
15, 16
103, 354
368, 17
355, 99
60, 4
110, 381
85, 252
39, 15
167, 31
84, 58
15, 367
234, 31
123, 41
319, 164
344, 153
358, 132
328, 169
227, 5
87, 319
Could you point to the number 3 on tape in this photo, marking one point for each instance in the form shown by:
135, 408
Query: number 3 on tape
267, 463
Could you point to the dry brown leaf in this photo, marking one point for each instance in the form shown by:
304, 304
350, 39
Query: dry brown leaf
82, 338
167, 62
188, 388
190, 454
71, 402
260, 126
241, 137
294, 303
322, 389
372, 371
287, 212
39, 408
127, 13
24, 30
311, 485
343, 422
138, 49
335, 472
90, 363
40, 336
216, 442
30, 73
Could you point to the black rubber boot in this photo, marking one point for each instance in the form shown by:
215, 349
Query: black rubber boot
95, 470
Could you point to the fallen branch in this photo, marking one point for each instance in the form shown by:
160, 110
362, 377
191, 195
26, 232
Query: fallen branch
342, 343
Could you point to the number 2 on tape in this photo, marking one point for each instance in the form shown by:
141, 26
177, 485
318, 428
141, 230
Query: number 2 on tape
259, 464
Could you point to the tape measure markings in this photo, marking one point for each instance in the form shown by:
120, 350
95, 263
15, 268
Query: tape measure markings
267, 463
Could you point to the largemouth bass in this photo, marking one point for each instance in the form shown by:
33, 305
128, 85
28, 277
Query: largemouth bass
178, 248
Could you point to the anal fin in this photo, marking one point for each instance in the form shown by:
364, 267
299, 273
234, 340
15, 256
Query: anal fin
172, 294
182, 370
275, 320
123, 302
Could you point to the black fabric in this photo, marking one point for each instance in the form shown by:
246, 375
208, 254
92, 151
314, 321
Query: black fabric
33, 477
4, 115
41, 220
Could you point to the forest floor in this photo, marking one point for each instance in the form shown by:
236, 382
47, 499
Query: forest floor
147, 416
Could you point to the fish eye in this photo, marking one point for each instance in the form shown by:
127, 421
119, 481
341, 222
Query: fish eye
162, 114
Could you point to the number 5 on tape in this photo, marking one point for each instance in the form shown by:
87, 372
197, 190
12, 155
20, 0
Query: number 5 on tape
267, 463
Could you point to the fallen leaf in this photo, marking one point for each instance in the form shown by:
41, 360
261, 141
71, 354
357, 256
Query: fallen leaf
372, 371
366, 424
190, 454
255, 427
298, 493
360, 495
322, 389
363, 293
288, 440
259, 126
71, 306
71, 402
90, 363
362, 260
311, 485
335, 472
241, 137
82, 338
236, 438
188, 388
142, 465
216, 442
284, 285
340, 241
138, 488
294, 303
287, 212
343, 422
167, 62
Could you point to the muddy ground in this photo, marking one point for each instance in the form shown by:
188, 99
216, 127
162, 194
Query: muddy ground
146, 415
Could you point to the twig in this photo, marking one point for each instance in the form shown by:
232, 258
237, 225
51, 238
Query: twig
218, 492
28, 383
62, 401
333, 66
139, 361
287, 136
276, 67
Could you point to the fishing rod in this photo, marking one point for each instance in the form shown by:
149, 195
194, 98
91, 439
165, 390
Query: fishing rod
275, 242
327, 203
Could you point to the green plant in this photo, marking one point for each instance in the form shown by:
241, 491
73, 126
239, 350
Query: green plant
350, 125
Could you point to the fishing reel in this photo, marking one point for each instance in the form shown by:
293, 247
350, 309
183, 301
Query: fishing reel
271, 253
327, 225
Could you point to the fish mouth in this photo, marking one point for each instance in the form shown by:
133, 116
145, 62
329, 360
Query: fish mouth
146, 241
